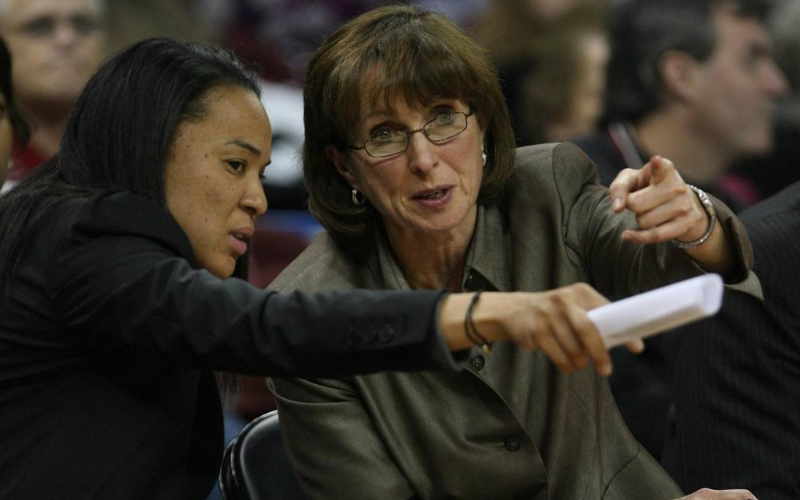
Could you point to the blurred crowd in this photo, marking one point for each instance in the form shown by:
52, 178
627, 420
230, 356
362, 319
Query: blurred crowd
553, 57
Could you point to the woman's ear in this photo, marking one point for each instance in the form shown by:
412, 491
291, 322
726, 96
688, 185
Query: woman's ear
679, 73
336, 157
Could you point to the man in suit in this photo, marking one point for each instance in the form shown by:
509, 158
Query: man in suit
694, 81
737, 375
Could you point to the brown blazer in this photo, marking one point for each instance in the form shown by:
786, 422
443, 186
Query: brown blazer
511, 425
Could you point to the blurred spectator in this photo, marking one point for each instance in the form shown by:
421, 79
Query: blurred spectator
694, 81
737, 375
56, 45
691, 80
780, 168
280, 35
554, 77
12, 127
129, 21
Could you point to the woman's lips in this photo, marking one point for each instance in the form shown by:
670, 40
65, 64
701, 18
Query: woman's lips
238, 243
434, 198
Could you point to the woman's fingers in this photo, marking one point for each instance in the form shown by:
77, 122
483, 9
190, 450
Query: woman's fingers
664, 205
635, 346
676, 207
657, 234
630, 181
709, 494
552, 349
591, 341
561, 329
568, 342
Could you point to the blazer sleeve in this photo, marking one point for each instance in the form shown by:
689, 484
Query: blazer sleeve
618, 268
123, 278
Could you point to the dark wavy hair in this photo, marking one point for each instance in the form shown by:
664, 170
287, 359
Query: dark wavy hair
644, 30
21, 131
420, 56
119, 131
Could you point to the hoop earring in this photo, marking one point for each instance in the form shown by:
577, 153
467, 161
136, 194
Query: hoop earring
357, 197
483, 156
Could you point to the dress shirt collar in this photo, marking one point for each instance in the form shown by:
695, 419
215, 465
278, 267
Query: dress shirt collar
488, 265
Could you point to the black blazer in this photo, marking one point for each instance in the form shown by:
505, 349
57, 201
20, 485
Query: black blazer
109, 335
737, 378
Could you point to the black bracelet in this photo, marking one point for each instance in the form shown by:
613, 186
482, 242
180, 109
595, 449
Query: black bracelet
472, 330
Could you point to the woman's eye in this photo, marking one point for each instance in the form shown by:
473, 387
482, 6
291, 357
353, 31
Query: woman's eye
382, 134
444, 116
236, 165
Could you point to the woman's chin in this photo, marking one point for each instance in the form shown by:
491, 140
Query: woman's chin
223, 269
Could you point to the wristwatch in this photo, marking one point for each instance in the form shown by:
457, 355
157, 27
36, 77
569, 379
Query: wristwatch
708, 205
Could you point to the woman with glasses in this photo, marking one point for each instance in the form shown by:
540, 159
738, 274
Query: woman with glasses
410, 163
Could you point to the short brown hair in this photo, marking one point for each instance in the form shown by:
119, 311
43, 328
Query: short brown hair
419, 56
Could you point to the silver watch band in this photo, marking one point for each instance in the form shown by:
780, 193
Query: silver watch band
708, 205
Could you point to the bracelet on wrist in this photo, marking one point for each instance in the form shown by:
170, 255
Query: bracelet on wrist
471, 328
708, 205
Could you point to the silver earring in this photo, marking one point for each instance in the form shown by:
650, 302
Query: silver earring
357, 197
483, 155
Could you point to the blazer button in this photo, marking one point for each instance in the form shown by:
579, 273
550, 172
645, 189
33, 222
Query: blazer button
477, 362
513, 443
387, 333
370, 335
352, 339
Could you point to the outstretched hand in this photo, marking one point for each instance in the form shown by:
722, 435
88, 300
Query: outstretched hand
664, 205
555, 322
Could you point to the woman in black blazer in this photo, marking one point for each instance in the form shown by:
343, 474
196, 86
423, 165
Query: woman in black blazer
114, 303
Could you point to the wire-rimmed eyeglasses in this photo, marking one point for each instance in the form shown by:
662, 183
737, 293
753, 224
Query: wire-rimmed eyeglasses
387, 142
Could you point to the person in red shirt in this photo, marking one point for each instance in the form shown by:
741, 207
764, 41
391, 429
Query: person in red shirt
57, 45
12, 126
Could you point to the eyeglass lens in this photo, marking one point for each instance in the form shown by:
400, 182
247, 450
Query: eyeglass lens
445, 126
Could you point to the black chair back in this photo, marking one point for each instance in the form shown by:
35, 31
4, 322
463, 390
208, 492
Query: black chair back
255, 465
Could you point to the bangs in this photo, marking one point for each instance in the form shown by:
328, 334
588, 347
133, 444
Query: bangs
416, 68
418, 77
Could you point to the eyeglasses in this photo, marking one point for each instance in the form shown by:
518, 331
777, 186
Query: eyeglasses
386, 142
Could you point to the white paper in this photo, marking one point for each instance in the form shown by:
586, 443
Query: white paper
658, 310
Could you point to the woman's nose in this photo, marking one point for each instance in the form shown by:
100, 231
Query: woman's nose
254, 199
421, 154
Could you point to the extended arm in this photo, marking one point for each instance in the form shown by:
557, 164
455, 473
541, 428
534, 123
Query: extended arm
123, 279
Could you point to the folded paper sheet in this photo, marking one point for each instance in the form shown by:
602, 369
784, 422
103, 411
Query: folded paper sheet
658, 310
